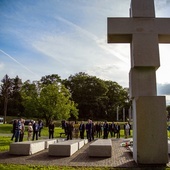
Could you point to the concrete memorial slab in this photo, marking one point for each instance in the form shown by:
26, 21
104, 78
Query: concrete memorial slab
143, 31
26, 148
49, 141
86, 141
66, 148
81, 143
100, 148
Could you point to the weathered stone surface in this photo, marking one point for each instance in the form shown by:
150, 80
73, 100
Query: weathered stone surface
101, 148
49, 141
66, 148
150, 130
26, 148
142, 82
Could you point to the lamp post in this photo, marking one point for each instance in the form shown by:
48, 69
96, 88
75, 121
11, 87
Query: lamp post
117, 113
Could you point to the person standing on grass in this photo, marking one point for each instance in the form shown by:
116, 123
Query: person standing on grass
13, 129
76, 130
40, 127
17, 130
82, 129
21, 137
127, 129
35, 130
51, 130
98, 129
117, 128
30, 130
105, 130
69, 130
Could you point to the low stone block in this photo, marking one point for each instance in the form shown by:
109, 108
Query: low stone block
66, 148
61, 140
101, 148
85, 141
26, 148
168, 146
49, 141
80, 143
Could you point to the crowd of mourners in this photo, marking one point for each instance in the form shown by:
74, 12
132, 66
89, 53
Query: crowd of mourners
71, 130
33, 130
91, 129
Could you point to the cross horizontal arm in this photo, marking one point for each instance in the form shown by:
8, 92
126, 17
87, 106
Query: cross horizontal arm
163, 29
120, 30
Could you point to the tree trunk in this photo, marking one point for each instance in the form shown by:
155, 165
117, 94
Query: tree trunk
5, 108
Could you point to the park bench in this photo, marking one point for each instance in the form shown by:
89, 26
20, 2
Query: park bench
62, 133
101, 148
66, 148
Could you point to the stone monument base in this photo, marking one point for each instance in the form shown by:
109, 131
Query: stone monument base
150, 130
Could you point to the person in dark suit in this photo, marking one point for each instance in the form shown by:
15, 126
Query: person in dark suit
70, 128
98, 129
105, 130
117, 127
35, 130
90, 130
51, 130
82, 129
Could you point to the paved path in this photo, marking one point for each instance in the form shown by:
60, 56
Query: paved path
121, 158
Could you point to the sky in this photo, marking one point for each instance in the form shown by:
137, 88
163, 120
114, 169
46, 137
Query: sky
65, 37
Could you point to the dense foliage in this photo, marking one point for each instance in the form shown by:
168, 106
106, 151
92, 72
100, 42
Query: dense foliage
81, 96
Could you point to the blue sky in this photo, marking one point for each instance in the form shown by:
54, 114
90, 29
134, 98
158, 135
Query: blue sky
64, 37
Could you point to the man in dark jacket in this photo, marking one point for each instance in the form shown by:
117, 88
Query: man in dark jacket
35, 130
69, 130
51, 130
82, 129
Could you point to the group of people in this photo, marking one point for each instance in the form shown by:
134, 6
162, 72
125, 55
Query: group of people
98, 129
72, 129
33, 130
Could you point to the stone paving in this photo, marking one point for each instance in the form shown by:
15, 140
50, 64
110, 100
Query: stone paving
121, 158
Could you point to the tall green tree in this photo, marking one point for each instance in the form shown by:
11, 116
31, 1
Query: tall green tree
29, 94
15, 100
117, 97
88, 92
54, 103
47, 101
5, 93
50, 79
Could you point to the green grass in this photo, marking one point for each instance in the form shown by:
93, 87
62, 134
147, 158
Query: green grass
4, 143
5, 128
39, 167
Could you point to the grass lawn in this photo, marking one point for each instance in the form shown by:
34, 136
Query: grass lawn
35, 167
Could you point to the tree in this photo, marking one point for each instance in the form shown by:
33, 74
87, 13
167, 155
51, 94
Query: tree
50, 79
5, 92
117, 97
96, 98
54, 103
15, 106
48, 99
29, 94
88, 92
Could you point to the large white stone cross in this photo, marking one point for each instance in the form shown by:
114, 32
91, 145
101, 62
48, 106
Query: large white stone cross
144, 32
